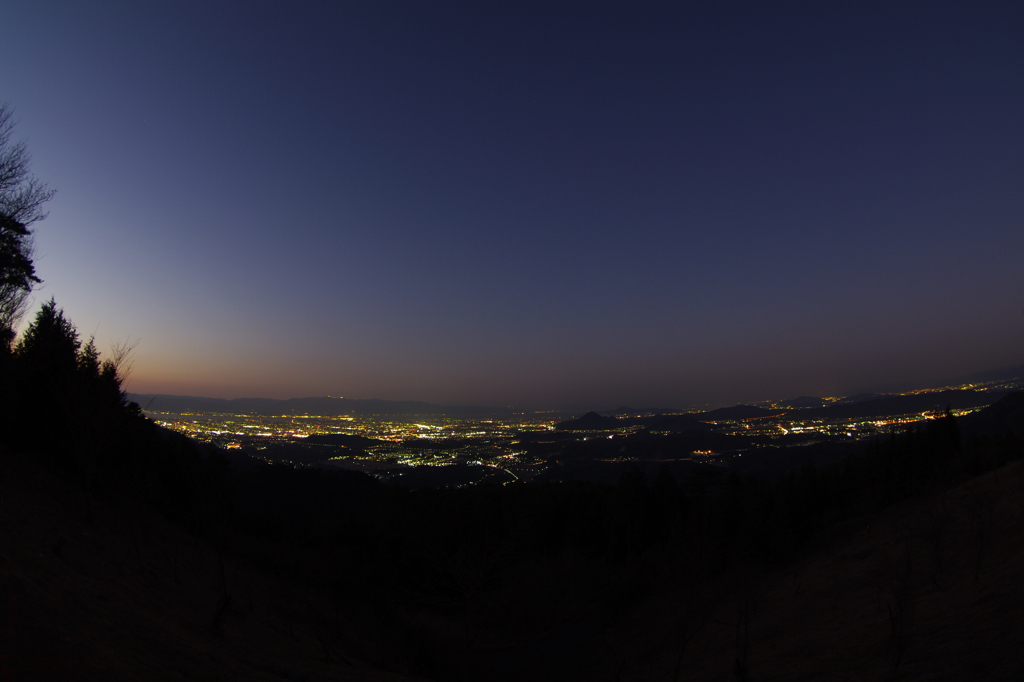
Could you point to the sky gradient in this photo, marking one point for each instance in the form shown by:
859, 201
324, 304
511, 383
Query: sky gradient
591, 204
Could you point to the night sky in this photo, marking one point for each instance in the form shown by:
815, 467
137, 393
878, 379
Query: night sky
549, 205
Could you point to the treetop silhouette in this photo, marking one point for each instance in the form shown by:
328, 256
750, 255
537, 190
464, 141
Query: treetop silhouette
22, 197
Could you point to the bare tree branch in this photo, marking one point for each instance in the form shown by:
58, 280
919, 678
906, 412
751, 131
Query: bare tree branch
21, 200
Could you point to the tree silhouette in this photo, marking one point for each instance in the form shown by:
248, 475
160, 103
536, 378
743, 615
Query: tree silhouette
41, 375
61, 400
49, 348
21, 200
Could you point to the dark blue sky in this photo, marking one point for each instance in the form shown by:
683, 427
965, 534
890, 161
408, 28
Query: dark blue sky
586, 204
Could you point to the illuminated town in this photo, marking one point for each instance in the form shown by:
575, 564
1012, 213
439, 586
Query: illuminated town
525, 445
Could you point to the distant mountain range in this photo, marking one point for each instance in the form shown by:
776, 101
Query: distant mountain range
904, 404
856, 407
322, 406
328, 406
1006, 374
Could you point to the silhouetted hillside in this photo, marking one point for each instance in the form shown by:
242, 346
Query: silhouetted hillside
803, 401
299, 574
673, 422
626, 411
136, 554
905, 404
1003, 375
736, 412
861, 397
101, 590
1005, 416
591, 421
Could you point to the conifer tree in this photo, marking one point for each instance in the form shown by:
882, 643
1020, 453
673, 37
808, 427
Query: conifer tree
49, 348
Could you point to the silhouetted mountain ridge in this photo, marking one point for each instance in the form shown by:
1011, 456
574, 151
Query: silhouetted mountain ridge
591, 421
988, 376
803, 401
737, 412
906, 404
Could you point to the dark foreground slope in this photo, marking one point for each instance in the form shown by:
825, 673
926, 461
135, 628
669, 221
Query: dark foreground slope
926, 589
129, 596
929, 589
156, 560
